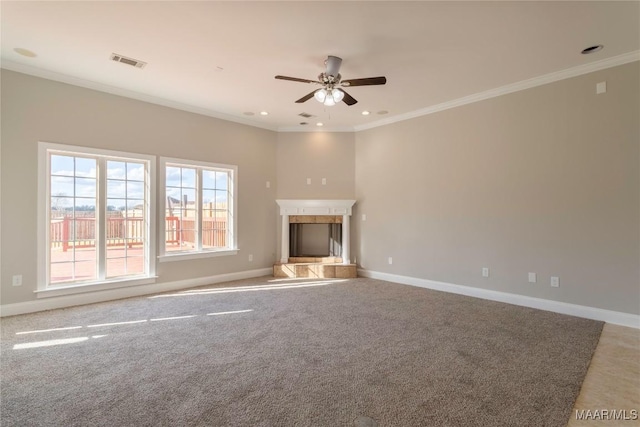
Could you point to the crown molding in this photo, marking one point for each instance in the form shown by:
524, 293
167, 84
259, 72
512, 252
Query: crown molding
75, 81
514, 87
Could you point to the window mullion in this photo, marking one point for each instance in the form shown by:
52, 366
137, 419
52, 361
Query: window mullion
101, 215
199, 231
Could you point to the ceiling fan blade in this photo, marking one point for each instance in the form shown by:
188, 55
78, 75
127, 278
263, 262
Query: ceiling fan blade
295, 79
348, 99
306, 97
369, 81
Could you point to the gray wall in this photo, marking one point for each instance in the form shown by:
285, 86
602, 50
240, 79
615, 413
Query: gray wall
35, 109
316, 155
545, 180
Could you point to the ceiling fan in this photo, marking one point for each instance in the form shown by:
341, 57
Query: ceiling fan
331, 81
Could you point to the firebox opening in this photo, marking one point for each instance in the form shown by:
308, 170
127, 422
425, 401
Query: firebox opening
315, 240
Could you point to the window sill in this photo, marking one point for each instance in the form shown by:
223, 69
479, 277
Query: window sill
196, 255
92, 287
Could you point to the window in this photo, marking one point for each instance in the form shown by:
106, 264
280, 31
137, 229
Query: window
97, 219
199, 205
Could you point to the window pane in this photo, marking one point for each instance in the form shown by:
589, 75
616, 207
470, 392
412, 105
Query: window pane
222, 179
172, 176
135, 172
61, 206
221, 199
188, 197
116, 267
116, 188
116, 170
115, 228
188, 178
135, 265
85, 270
61, 272
208, 196
116, 205
62, 165
62, 186
135, 190
208, 179
85, 167
85, 187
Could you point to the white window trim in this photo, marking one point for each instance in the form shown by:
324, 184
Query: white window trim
43, 228
162, 208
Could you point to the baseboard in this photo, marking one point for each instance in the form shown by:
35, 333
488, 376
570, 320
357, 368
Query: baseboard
609, 316
134, 291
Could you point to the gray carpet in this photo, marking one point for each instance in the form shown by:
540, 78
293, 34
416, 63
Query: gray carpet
358, 352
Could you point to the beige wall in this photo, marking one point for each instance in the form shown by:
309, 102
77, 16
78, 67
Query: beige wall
546, 180
35, 109
316, 155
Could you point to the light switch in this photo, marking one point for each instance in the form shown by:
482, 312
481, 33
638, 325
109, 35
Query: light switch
308, 181
601, 87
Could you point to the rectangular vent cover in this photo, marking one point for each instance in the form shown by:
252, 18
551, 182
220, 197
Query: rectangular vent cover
306, 115
128, 61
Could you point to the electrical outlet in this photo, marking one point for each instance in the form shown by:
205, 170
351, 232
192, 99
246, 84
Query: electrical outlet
532, 278
268, 184
601, 87
390, 260
308, 181
324, 181
485, 272
16, 280
364, 217
250, 257
555, 282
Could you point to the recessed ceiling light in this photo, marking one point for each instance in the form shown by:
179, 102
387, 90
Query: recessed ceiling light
365, 113
263, 113
25, 52
592, 49
304, 123
319, 124
248, 113
383, 112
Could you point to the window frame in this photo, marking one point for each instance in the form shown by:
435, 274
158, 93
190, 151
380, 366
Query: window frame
232, 228
44, 288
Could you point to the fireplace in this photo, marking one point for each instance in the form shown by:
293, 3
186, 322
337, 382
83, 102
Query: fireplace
315, 228
315, 239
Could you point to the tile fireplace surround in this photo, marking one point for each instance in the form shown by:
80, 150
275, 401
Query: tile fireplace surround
325, 211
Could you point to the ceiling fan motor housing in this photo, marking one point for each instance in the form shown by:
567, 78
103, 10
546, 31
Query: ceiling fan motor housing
333, 65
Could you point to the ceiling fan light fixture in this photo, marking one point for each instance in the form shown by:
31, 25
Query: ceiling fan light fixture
329, 101
320, 95
337, 95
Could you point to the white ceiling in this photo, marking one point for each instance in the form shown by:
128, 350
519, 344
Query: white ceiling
220, 58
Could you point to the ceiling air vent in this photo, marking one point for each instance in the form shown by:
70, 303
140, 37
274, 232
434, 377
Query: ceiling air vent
128, 61
305, 115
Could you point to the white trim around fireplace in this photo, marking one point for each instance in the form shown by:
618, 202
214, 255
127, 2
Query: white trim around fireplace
315, 207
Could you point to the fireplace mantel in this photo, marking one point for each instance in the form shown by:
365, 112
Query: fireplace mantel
315, 207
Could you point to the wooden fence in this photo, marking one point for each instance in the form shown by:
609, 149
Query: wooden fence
80, 232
